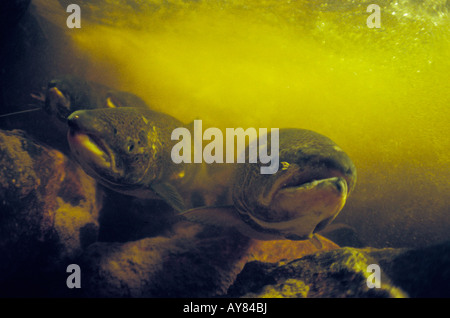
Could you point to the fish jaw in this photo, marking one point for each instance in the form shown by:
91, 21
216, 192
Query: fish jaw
57, 103
87, 149
99, 162
307, 208
94, 155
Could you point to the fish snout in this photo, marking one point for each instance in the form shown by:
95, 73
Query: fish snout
89, 149
86, 121
72, 121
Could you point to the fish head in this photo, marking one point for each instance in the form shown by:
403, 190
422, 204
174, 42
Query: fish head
57, 101
119, 147
66, 95
307, 192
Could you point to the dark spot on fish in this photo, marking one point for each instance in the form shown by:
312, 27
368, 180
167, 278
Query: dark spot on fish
115, 131
142, 137
136, 160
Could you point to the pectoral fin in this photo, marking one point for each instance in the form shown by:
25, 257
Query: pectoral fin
223, 216
170, 195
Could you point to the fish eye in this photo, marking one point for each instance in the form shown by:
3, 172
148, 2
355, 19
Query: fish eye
114, 131
130, 147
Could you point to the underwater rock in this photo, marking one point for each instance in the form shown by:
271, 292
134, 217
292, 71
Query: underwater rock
343, 273
337, 273
48, 208
192, 262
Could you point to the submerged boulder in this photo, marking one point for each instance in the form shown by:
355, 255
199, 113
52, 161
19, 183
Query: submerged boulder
189, 263
48, 209
344, 272
192, 262
337, 273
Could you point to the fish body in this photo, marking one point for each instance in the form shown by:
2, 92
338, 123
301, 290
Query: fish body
128, 150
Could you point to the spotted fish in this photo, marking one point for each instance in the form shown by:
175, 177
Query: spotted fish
128, 150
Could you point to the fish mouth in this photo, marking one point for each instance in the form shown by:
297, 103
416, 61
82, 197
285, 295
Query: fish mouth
306, 179
327, 195
296, 178
297, 211
93, 152
90, 150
